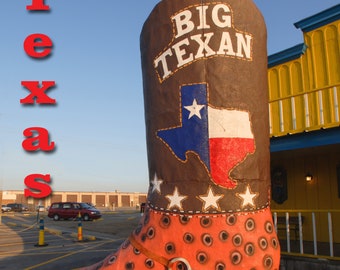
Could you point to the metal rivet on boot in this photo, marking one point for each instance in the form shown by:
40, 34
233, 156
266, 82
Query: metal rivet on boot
237, 240
149, 263
207, 239
206, 222
275, 244
202, 257
136, 251
112, 259
138, 229
170, 248
269, 227
250, 224
188, 238
125, 244
263, 243
184, 219
220, 266
146, 217
129, 266
223, 236
151, 233
236, 257
165, 221
231, 220
249, 248
267, 262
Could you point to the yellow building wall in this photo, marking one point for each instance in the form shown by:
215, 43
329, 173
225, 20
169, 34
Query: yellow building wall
304, 94
319, 194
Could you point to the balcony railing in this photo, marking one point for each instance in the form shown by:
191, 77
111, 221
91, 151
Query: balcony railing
313, 233
306, 111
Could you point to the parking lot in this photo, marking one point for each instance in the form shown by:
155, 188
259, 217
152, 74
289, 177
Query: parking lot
21, 245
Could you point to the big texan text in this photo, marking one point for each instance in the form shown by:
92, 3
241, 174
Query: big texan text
215, 35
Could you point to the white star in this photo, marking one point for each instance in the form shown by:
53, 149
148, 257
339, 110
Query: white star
156, 184
247, 197
194, 109
210, 200
175, 199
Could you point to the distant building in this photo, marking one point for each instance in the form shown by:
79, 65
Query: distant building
107, 200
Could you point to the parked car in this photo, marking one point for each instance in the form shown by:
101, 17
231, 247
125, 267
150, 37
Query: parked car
5, 208
66, 210
24, 208
91, 204
15, 207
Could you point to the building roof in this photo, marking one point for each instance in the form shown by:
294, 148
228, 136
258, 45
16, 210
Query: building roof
308, 24
306, 140
286, 55
320, 19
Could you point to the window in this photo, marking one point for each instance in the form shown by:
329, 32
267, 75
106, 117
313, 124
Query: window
67, 206
55, 205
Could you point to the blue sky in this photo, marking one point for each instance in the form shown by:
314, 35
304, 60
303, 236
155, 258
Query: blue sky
98, 122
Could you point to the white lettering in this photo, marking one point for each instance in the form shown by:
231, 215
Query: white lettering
202, 10
199, 44
181, 52
183, 23
203, 45
162, 60
226, 46
225, 19
243, 45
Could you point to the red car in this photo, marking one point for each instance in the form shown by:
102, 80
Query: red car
66, 210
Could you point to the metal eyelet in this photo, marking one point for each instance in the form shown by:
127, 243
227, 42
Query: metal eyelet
207, 239
170, 248
188, 238
129, 266
236, 257
249, 249
149, 263
179, 263
250, 224
136, 251
263, 243
220, 266
275, 243
269, 227
237, 240
206, 222
231, 220
201, 257
112, 259
184, 219
224, 236
165, 221
267, 262
151, 233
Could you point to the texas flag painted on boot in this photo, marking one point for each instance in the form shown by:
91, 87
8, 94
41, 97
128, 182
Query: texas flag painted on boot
223, 138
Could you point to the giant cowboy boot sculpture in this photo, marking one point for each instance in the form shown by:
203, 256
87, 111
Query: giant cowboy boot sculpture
206, 107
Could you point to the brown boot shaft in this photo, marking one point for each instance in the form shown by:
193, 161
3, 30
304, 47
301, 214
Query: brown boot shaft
206, 106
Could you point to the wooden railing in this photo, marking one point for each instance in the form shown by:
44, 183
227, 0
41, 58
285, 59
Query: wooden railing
306, 111
307, 225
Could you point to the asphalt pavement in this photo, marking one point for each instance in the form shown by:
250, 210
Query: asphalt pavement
23, 245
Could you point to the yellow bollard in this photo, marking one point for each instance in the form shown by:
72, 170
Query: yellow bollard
41, 241
80, 228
